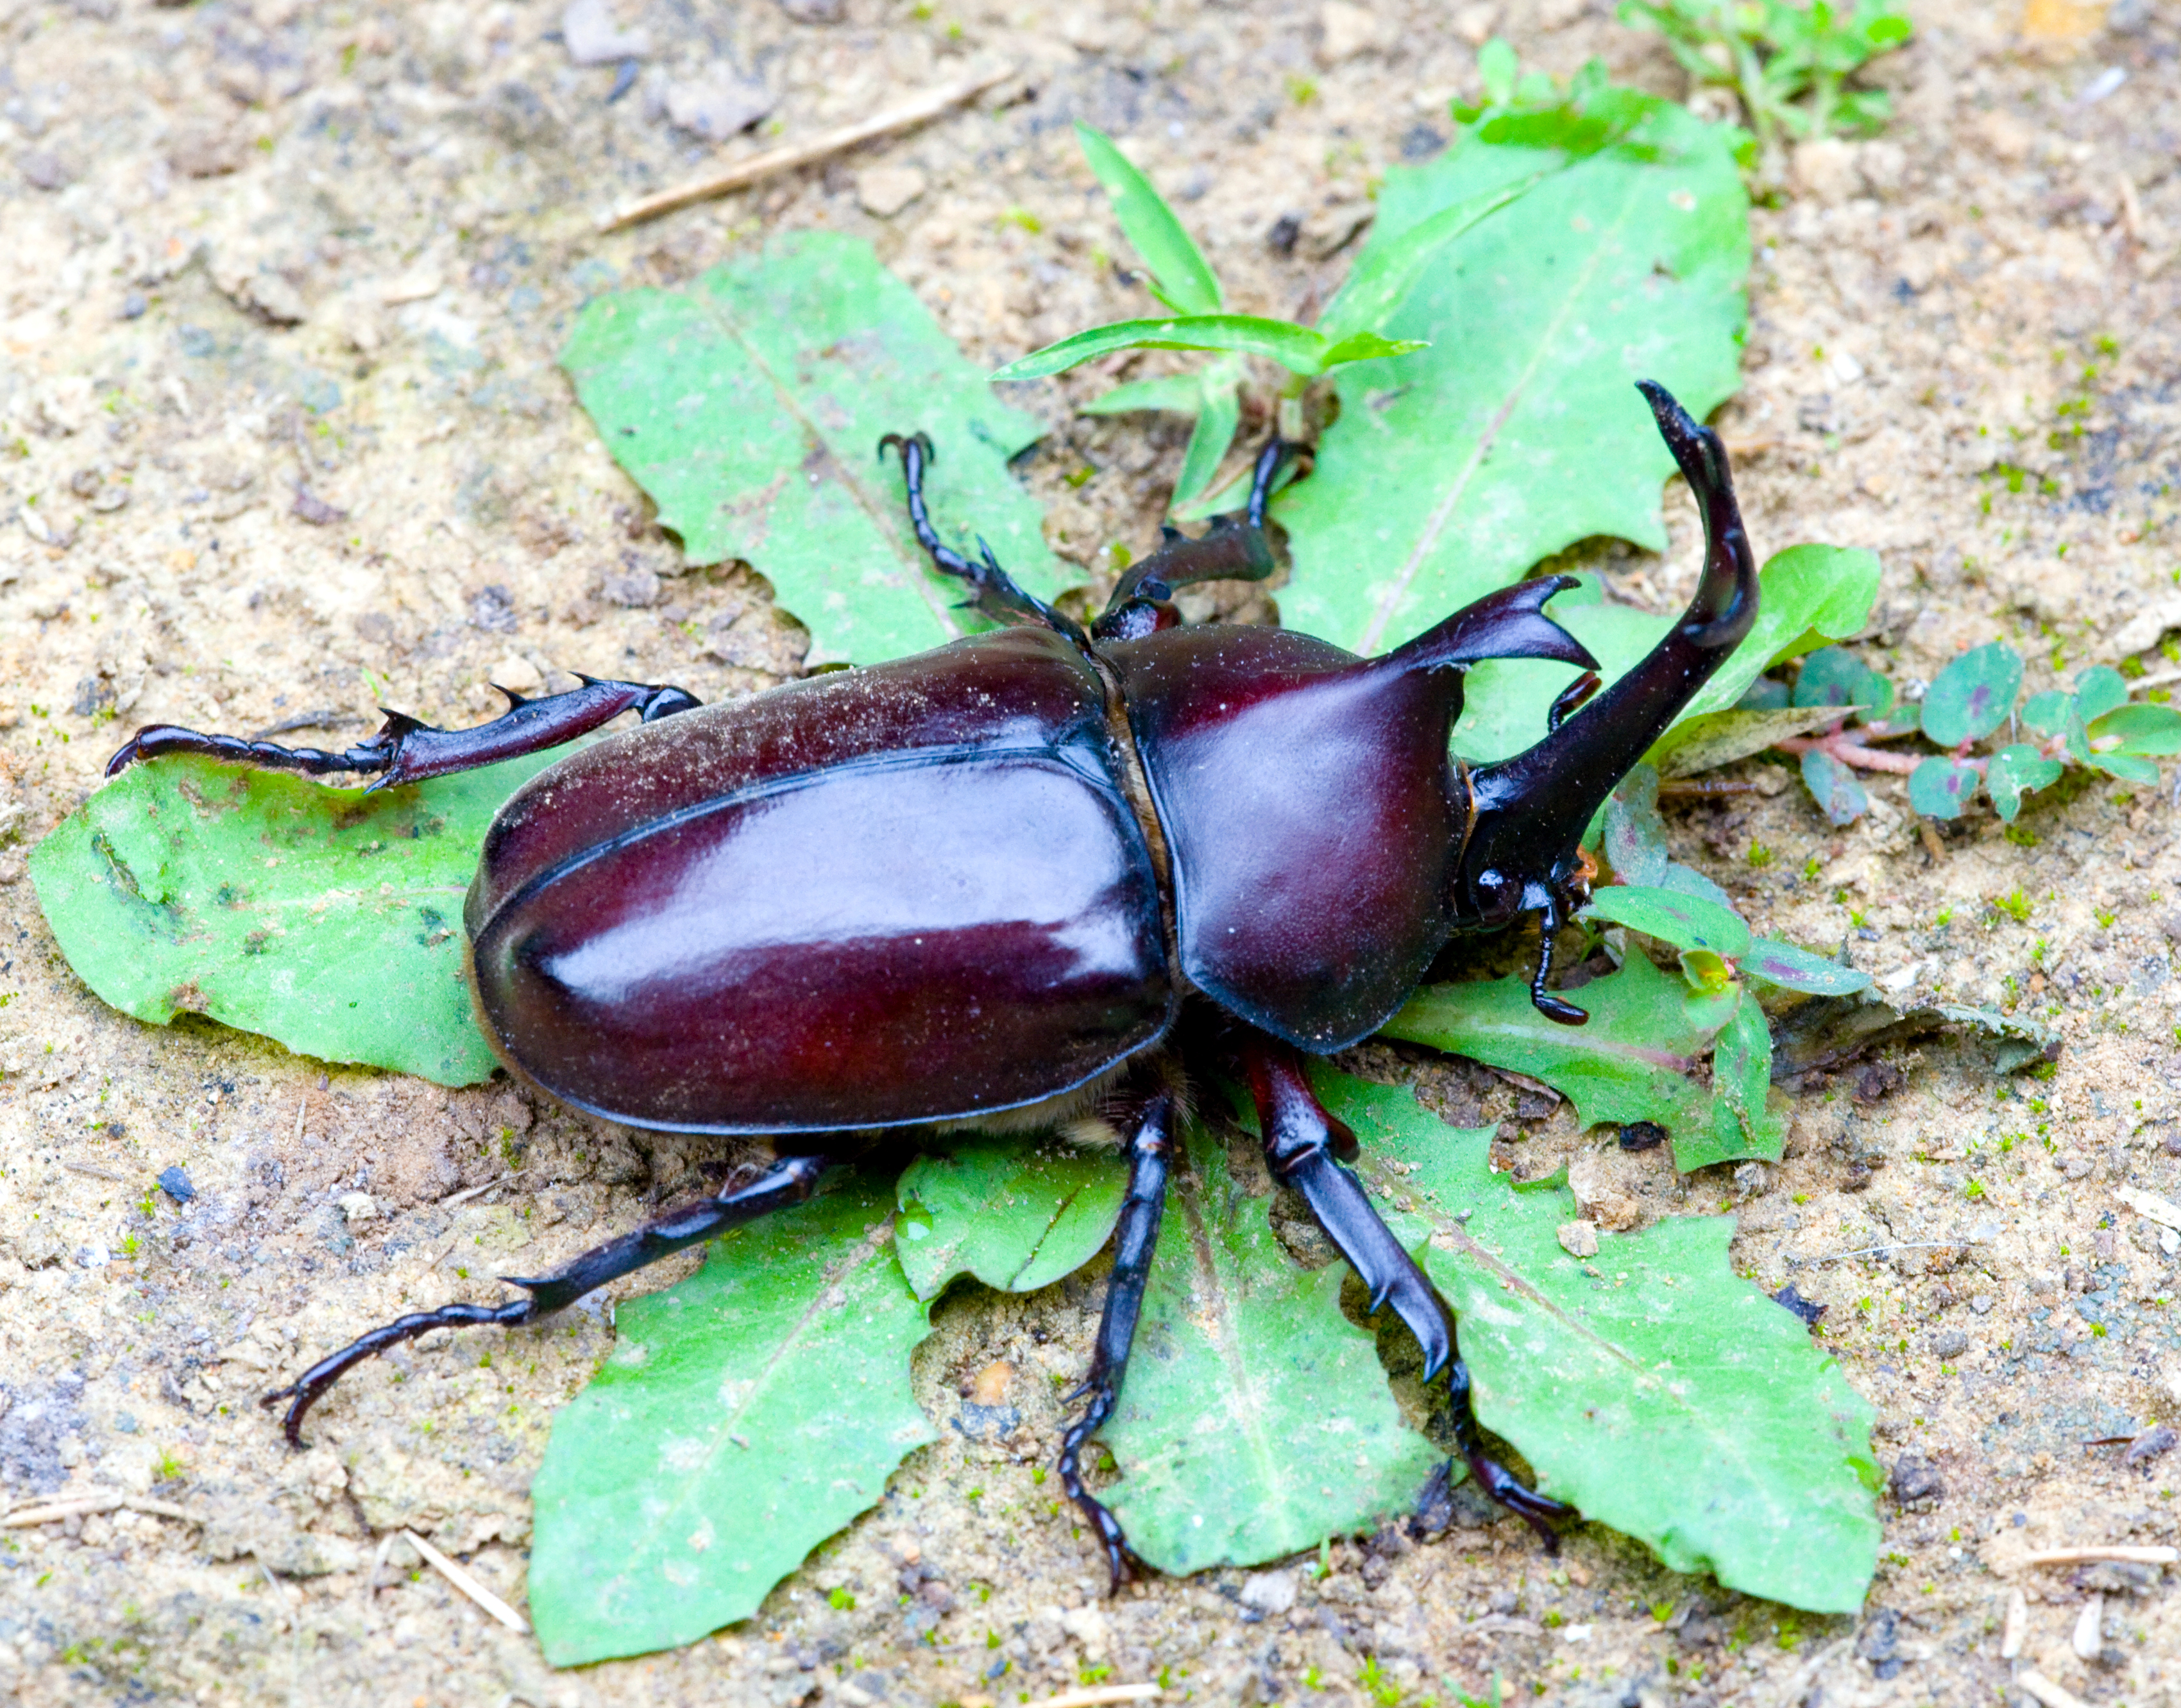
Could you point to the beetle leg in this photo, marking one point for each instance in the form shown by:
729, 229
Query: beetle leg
1149, 1152
993, 590
1550, 918
1234, 548
406, 750
790, 1181
1303, 1145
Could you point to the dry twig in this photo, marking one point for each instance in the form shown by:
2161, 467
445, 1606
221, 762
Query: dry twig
1099, 1694
743, 173
2128, 1554
469, 1586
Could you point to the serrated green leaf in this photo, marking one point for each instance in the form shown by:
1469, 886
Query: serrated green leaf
1174, 393
2099, 690
750, 406
1295, 347
1833, 786
328, 919
2048, 713
1622, 1380
1685, 921
1791, 968
1014, 1215
2144, 730
1940, 787
1385, 272
1255, 1420
1971, 696
1183, 278
2013, 772
744, 1416
1451, 470
1629, 1062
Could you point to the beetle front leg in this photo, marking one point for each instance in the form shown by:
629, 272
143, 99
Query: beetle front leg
1303, 1145
791, 1181
1150, 1152
406, 751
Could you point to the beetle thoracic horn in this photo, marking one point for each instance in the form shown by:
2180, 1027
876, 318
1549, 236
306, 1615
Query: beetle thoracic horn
1531, 810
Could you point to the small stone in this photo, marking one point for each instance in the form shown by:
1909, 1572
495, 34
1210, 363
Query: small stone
357, 1207
1599, 1198
1578, 1239
1346, 31
594, 38
1789, 1299
632, 590
814, 11
207, 152
310, 508
885, 190
1269, 1592
1949, 1343
2158, 1439
2089, 1635
1916, 1480
991, 1386
133, 304
1088, 1626
716, 106
43, 169
1642, 1135
175, 1184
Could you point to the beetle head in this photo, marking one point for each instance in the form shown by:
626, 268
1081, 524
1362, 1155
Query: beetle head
1523, 853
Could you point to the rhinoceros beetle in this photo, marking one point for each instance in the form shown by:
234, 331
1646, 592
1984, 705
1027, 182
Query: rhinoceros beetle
980, 886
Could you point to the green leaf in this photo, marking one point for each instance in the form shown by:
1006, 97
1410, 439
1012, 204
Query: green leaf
1810, 594
1451, 470
1255, 1421
1214, 431
1292, 346
2099, 690
328, 919
744, 1416
1367, 346
1629, 1062
1742, 1128
1705, 972
1940, 787
1682, 920
1181, 277
2048, 713
750, 406
2127, 768
1651, 1387
1497, 65
1014, 1215
1385, 272
2013, 772
1833, 786
1791, 968
1635, 839
2144, 730
1836, 676
1720, 738
1174, 393
1971, 696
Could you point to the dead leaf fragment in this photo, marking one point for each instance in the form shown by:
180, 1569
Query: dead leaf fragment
1578, 1239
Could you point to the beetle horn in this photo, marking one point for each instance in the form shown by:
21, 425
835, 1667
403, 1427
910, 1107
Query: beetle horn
1531, 810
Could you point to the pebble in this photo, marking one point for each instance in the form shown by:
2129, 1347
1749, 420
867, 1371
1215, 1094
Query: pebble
175, 1183
1578, 1239
885, 190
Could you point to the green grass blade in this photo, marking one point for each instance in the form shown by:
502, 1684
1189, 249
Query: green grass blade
1385, 272
1216, 425
1296, 348
1185, 280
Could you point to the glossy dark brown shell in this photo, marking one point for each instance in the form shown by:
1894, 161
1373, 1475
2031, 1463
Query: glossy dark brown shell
897, 895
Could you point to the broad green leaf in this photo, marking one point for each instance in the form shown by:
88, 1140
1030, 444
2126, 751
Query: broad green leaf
2098, 691
1451, 470
2144, 730
1292, 346
1216, 423
1720, 738
1971, 696
1255, 1420
1791, 968
1651, 1387
2127, 768
1629, 1062
1836, 676
1635, 838
744, 1416
1706, 971
1839, 796
2048, 713
1808, 595
1385, 272
1940, 787
1497, 65
2013, 772
1742, 1129
1682, 920
750, 406
1015, 1216
1182, 278
328, 919
1176, 394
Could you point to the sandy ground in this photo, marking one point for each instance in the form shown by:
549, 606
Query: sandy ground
283, 287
